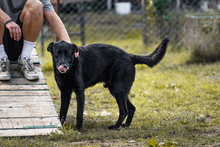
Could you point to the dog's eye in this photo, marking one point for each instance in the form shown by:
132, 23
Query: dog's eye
58, 52
67, 53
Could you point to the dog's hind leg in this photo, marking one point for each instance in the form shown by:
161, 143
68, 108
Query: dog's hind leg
123, 111
131, 110
121, 79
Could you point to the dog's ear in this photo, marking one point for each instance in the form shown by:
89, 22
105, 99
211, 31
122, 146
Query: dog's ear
50, 47
76, 51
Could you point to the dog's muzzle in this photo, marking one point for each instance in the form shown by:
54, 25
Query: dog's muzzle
63, 69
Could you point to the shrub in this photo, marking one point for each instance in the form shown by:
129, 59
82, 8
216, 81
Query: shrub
204, 44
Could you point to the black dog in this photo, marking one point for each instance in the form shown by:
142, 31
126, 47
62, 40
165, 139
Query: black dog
77, 68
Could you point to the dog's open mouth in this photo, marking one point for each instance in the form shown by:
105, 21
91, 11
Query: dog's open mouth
62, 69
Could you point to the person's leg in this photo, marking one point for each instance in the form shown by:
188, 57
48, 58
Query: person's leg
2, 49
32, 20
4, 62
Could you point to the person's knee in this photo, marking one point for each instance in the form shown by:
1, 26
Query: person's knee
35, 7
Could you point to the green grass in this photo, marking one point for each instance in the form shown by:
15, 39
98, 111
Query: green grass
177, 104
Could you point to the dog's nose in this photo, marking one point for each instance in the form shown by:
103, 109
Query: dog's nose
65, 66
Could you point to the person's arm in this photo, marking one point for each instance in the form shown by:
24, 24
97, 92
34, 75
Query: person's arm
57, 25
14, 29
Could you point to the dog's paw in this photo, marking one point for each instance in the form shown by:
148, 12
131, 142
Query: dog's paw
78, 129
124, 125
113, 127
105, 85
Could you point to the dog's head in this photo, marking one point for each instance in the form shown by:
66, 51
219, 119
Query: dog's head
63, 54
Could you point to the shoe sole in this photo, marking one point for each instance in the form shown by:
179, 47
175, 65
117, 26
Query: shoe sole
5, 78
31, 78
26, 77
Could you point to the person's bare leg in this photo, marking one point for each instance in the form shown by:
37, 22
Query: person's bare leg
4, 62
32, 19
2, 49
2, 28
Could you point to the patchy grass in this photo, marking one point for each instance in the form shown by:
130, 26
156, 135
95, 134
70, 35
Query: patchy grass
177, 104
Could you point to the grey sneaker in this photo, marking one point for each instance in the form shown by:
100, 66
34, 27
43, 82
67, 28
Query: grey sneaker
4, 69
27, 68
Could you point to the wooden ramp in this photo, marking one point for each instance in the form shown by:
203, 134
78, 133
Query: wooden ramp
26, 107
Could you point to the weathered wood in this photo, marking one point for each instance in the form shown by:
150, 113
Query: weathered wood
28, 132
28, 112
18, 74
23, 81
31, 93
7, 123
17, 123
25, 98
26, 104
29, 123
14, 67
23, 87
34, 52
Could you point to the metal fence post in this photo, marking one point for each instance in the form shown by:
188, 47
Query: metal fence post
82, 22
58, 13
178, 2
143, 13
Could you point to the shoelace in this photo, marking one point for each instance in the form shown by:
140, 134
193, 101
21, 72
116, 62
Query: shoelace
28, 64
3, 63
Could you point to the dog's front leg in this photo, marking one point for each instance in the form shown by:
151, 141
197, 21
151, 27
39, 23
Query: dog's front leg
65, 101
80, 98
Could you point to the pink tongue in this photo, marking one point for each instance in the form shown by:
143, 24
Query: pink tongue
61, 68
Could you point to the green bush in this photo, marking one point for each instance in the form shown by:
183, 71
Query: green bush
204, 43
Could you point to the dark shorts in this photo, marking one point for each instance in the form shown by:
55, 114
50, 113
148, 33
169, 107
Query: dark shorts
13, 48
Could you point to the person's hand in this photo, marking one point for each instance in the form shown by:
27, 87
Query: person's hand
14, 29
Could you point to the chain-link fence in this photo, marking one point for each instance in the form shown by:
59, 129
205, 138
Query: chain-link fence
144, 22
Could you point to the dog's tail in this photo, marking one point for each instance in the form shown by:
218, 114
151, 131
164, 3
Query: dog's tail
155, 57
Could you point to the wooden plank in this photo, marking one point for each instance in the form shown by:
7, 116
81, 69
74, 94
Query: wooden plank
2, 133
29, 126
27, 123
28, 112
28, 132
10, 133
38, 123
23, 87
7, 123
51, 121
26, 104
24, 99
18, 74
23, 81
1, 126
14, 67
32, 123
34, 52
31, 93
17, 123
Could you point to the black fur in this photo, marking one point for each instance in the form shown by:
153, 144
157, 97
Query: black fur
98, 63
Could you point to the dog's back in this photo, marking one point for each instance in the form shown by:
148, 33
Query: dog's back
99, 59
